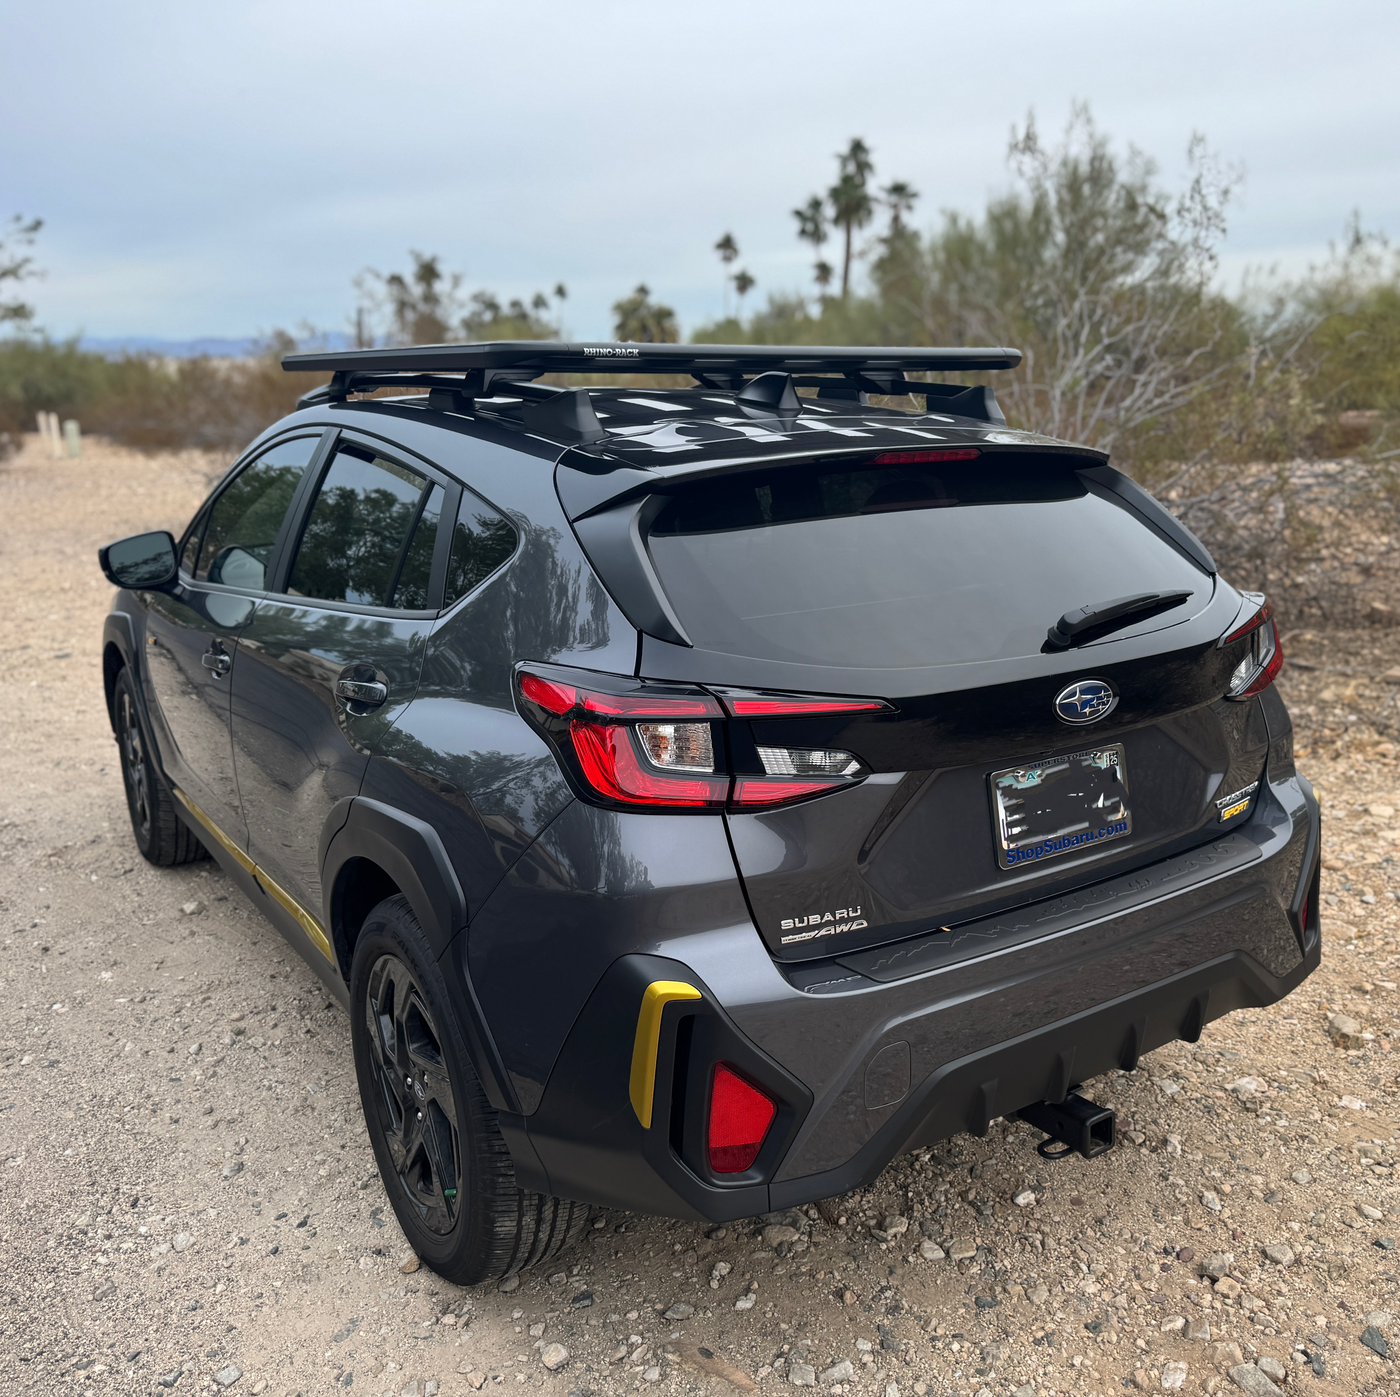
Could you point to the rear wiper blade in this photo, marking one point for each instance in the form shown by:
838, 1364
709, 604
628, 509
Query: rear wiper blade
1088, 623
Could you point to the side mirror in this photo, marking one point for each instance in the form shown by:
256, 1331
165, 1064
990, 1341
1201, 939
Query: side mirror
142, 561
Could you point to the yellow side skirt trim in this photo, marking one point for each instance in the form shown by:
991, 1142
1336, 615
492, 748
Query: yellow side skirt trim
656, 997
270, 886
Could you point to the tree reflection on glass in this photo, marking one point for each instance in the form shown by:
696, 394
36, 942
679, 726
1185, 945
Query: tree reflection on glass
355, 534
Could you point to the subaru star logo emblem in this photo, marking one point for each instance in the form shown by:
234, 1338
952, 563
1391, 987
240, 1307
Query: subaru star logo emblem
1085, 701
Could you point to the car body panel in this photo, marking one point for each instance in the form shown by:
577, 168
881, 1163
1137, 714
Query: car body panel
181, 632
298, 748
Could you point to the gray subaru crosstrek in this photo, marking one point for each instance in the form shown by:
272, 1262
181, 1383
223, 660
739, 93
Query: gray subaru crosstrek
699, 796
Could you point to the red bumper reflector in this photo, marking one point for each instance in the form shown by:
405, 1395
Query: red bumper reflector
740, 1116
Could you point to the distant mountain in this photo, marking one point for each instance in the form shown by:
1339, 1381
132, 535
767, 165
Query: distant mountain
216, 346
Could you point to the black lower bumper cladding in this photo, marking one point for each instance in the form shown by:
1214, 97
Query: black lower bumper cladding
586, 1141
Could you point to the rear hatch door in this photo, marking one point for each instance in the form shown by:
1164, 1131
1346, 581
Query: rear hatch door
1006, 770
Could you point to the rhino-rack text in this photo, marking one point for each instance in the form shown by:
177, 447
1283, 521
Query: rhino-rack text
816, 924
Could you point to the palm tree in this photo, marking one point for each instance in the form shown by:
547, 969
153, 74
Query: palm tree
851, 204
641, 320
812, 228
900, 197
743, 284
728, 251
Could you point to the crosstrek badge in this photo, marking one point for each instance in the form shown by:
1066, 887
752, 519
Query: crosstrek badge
816, 924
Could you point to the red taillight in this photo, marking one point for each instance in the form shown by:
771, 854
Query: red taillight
552, 697
759, 790
612, 767
740, 1116
917, 458
644, 706
1303, 914
638, 742
1261, 665
1255, 620
744, 703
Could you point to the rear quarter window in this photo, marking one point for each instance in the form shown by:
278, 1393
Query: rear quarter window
903, 566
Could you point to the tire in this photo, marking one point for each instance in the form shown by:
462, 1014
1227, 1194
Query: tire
440, 1153
161, 835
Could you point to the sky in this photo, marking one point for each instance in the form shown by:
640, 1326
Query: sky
228, 169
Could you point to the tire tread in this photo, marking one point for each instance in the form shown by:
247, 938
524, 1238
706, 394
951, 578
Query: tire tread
172, 841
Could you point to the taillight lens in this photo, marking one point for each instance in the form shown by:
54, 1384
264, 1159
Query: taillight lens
678, 746
635, 742
1260, 665
740, 1118
758, 703
613, 768
807, 761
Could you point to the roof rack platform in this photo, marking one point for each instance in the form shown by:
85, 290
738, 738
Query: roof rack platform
530, 358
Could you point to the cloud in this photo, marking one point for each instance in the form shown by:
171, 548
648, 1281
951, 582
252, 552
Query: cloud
223, 169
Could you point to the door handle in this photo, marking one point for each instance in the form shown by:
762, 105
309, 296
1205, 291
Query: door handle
366, 691
217, 661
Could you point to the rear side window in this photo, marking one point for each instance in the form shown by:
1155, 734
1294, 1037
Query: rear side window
245, 520
356, 542
482, 541
905, 566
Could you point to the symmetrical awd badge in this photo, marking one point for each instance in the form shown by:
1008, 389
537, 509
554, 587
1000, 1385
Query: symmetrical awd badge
1085, 701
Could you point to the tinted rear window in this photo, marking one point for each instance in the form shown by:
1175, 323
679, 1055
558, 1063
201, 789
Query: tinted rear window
906, 566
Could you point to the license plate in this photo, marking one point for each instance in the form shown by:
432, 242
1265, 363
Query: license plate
1060, 806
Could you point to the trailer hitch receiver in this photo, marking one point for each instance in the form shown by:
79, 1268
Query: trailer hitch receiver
1076, 1123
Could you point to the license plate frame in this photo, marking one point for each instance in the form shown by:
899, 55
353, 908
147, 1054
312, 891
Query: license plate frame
1078, 801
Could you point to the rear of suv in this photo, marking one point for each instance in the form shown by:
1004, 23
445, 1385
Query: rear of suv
700, 796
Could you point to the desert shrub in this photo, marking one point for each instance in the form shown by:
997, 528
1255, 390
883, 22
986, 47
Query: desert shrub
147, 401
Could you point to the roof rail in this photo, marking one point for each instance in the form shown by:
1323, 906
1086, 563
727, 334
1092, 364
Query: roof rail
718, 362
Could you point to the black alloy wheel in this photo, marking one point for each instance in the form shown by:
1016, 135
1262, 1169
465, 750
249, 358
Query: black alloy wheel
417, 1110
136, 768
161, 835
440, 1151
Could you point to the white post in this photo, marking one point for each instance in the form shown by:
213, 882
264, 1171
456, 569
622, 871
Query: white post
73, 438
55, 436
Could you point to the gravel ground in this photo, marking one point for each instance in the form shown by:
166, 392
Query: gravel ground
188, 1200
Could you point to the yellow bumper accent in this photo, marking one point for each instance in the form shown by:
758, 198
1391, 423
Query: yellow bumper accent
270, 886
657, 996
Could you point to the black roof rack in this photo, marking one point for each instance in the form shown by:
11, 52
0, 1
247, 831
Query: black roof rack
718, 361
457, 374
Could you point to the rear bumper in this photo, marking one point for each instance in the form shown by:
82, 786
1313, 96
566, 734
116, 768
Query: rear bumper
867, 1068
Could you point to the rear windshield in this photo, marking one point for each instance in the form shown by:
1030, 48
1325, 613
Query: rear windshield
903, 566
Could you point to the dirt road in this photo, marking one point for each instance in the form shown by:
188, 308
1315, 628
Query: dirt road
188, 1200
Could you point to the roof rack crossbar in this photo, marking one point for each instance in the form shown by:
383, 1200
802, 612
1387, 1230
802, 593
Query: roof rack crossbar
472, 384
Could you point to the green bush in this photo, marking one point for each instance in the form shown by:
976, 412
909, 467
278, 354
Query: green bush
147, 401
